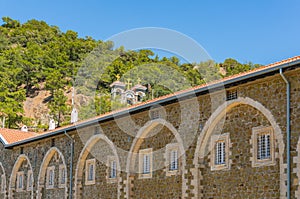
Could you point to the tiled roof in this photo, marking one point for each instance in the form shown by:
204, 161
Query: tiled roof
201, 86
139, 86
9, 136
117, 83
22, 136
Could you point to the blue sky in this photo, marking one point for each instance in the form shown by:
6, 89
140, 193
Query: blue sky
259, 31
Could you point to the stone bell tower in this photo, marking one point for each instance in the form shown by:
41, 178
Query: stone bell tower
127, 94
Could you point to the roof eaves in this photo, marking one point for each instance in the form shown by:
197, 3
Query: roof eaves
189, 92
3, 140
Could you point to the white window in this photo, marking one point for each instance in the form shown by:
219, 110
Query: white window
263, 146
145, 163
20, 181
172, 159
90, 171
112, 169
3, 183
29, 180
220, 152
62, 176
231, 94
50, 178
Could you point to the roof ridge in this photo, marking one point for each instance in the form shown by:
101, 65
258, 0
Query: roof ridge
188, 89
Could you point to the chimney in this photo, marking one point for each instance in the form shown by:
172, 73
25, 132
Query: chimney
74, 115
51, 124
24, 128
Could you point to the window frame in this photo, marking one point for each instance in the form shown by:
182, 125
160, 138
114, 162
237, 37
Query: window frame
225, 138
29, 180
18, 188
231, 94
49, 170
87, 171
61, 177
110, 178
168, 163
3, 183
142, 154
256, 132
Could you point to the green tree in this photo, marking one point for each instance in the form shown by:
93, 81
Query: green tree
31, 66
11, 100
58, 106
10, 23
232, 66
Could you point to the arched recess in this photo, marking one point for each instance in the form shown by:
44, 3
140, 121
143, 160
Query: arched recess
216, 117
142, 133
13, 176
84, 154
43, 169
4, 174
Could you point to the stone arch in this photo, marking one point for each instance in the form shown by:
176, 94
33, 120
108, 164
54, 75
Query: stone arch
5, 187
13, 176
43, 168
142, 133
84, 154
209, 126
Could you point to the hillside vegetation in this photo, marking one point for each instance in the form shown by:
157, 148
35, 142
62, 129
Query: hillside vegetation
39, 61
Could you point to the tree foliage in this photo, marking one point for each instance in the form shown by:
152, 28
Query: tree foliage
36, 56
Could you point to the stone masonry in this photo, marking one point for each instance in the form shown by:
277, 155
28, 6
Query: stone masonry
185, 125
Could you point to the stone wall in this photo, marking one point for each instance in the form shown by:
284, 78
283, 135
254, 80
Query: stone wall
242, 180
190, 124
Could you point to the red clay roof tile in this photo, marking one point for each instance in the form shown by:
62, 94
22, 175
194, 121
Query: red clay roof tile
12, 136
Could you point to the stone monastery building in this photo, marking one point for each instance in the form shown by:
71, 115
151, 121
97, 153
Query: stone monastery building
233, 138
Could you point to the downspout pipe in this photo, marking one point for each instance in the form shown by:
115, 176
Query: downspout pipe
288, 134
71, 165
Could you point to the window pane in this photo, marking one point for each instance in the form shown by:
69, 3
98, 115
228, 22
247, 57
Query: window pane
30, 180
146, 164
174, 160
91, 172
51, 177
263, 147
220, 153
113, 169
20, 185
63, 176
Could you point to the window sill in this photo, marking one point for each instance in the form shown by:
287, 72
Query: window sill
112, 180
219, 167
61, 186
90, 182
29, 189
172, 172
50, 187
145, 176
261, 163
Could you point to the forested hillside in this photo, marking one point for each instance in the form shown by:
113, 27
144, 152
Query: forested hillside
36, 58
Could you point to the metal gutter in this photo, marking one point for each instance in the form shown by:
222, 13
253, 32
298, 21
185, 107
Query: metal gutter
192, 92
71, 165
288, 134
